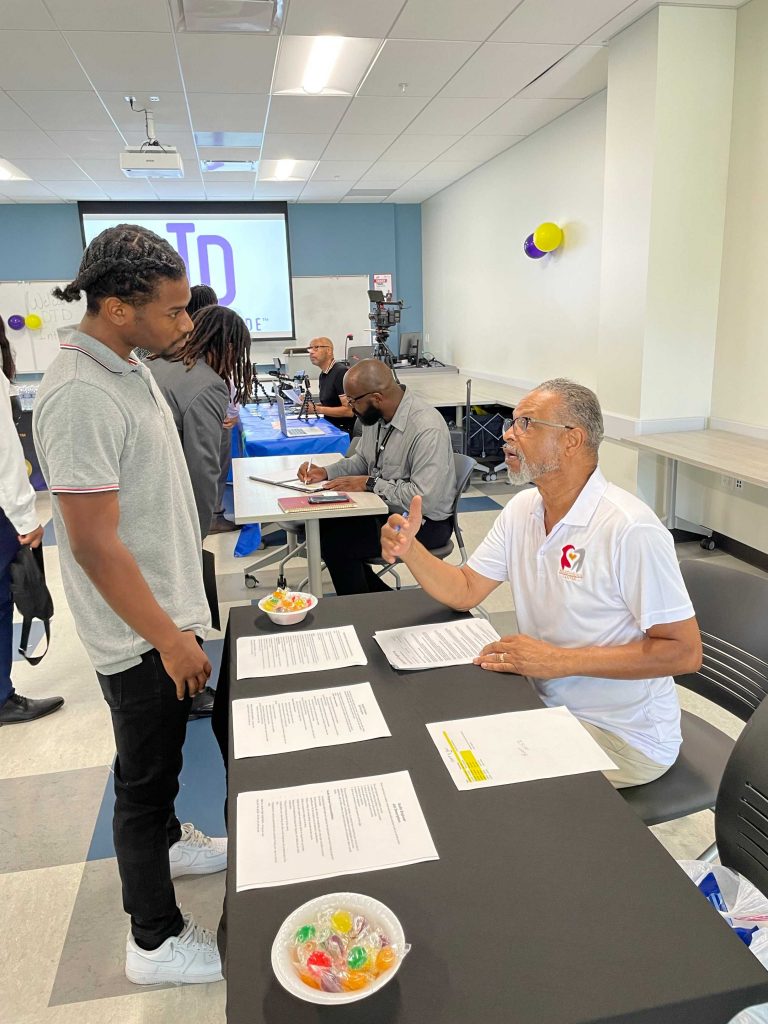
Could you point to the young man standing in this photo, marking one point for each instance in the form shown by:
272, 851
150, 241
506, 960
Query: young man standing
130, 551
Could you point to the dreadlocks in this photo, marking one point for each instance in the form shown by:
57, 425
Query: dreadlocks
222, 339
7, 364
202, 295
125, 262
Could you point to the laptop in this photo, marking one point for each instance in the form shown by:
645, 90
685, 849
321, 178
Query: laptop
287, 431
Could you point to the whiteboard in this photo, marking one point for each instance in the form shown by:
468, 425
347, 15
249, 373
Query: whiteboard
35, 350
332, 307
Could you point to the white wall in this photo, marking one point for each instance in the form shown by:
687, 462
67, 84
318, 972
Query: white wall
487, 307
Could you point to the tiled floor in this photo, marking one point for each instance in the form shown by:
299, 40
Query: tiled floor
61, 921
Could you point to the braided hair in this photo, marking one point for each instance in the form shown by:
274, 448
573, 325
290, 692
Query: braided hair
125, 262
7, 364
223, 340
202, 295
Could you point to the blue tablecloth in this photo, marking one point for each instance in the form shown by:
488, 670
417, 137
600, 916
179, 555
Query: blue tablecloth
259, 437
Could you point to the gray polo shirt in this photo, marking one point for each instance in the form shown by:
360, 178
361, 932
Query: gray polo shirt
410, 455
198, 398
101, 424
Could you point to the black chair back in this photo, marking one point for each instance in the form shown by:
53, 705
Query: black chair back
741, 811
732, 611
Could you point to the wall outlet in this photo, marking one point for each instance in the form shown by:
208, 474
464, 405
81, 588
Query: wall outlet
739, 484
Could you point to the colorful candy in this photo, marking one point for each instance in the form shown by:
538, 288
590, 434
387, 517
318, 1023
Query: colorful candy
340, 951
286, 601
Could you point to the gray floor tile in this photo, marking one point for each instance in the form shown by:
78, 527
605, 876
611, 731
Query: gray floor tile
93, 957
48, 819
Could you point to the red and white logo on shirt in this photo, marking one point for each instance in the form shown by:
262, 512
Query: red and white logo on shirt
571, 561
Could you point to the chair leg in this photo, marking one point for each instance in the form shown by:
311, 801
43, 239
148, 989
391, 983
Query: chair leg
709, 855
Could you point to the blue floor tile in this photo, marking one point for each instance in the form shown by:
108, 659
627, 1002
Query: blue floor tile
482, 504
49, 538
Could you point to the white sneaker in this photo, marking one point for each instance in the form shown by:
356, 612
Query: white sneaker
187, 959
197, 854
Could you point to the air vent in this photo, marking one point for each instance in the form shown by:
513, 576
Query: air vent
262, 16
229, 166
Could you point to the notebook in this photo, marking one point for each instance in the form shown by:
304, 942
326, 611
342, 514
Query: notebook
304, 505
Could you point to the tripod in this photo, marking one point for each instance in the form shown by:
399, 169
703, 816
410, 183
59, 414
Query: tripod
381, 349
306, 402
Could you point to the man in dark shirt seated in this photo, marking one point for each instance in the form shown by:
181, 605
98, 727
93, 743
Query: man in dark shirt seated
331, 385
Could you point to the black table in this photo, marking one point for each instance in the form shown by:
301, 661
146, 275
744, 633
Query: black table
551, 902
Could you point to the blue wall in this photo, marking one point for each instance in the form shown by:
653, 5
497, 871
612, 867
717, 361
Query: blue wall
42, 241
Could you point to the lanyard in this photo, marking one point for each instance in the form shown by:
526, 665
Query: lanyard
380, 446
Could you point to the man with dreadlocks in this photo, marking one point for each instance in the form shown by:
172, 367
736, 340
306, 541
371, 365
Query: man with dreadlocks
130, 551
195, 382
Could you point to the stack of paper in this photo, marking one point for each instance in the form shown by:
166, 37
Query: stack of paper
450, 643
313, 650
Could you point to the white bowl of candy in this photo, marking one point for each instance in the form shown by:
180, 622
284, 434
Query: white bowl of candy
287, 607
338, 948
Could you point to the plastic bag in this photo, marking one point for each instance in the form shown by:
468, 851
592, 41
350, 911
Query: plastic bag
745, 909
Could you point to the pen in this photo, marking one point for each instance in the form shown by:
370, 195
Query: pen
306, 471
397, 528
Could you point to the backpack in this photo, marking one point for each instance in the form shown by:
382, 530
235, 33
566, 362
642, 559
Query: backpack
31, 596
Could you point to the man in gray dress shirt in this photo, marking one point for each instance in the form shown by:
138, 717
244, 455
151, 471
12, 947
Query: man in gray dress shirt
405, 450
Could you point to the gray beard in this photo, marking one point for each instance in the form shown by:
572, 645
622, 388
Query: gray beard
528, 473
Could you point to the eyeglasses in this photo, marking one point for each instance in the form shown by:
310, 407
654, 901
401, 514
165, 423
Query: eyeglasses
354, 401
520, 424
316, 348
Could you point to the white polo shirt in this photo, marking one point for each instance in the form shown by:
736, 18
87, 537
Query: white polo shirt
606, 573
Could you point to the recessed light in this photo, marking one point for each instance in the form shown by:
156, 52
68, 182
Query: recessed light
322, 59
284, 169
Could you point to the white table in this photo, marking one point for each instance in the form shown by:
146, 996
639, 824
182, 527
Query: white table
256, 502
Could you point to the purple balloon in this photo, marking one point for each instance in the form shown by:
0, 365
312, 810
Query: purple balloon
15, 322
530, 249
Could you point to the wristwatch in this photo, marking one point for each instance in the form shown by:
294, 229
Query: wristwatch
370, 483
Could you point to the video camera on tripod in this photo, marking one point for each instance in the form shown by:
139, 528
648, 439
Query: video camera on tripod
386, 315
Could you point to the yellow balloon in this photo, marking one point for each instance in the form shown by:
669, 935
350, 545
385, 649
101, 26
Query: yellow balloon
548, 236
33, 322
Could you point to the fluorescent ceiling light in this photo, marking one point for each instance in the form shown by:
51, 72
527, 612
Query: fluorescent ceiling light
8, 172
322, 59
284, 170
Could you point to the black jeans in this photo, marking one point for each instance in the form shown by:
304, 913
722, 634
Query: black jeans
150, 725
346, 544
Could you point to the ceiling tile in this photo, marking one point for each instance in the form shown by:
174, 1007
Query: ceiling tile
424, 65
293, 147
316, 191
523, 116
582, 73
52, 170
215, 178
228, 153
64, 111
75, 189
105, 169
227, 62
363, 199
452, 19
368, 115
348, 71
480, 147
128, 61
419, 147
27, 190
445, 170
557, 21
235, 113
12, 117
229, 190
26, 14
104, 145
179, 190
391, 172
22, 143
415, 192
129, 189
342, 17
357, 147
136, 16
301, 170
277, 189
305, 114
616, 25
340, 170
502, 69
39, 60
452, 116
170, 112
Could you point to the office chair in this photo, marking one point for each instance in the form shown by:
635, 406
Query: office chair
732, 610
464, 466
741, 810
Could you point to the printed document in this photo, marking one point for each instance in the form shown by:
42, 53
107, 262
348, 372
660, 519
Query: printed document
329, 828
285, 478
307, 718
448, 643
518, 746
313, 650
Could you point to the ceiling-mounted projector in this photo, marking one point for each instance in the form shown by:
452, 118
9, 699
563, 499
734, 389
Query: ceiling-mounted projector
151, 161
